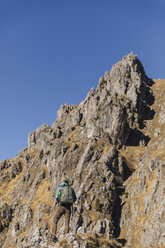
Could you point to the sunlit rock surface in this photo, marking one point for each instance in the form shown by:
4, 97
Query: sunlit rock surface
111, 147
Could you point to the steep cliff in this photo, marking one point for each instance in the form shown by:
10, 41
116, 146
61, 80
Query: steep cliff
111, 147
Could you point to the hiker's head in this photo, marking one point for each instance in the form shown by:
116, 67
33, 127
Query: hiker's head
65, 180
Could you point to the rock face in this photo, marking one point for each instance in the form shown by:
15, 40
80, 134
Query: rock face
111, 148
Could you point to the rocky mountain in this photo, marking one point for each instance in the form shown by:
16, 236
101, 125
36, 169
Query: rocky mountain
111, 147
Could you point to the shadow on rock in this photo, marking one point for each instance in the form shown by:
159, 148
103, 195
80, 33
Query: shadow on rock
137, 138
117, 209
145, 100
122, 241
148, 115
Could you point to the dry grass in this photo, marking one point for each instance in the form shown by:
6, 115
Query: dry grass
8, 188
132, 153
91, 240
105, 243
43, 195
63, 243
23, 235
94, 241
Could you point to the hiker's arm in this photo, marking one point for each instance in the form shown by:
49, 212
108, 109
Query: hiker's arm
57, 193
74, 195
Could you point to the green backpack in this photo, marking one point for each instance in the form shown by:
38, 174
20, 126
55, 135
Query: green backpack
66, 195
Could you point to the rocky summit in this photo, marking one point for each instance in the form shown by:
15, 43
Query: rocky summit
112, 148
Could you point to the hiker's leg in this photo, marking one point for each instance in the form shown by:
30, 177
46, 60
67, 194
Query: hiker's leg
58, 213
67, 219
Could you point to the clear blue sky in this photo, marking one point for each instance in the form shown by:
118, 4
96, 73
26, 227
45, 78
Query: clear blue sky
53, 52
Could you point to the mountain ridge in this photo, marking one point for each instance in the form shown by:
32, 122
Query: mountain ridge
111, 147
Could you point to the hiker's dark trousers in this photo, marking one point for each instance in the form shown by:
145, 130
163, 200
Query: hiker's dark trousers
66, 210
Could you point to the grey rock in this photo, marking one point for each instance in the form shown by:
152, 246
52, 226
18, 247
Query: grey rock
89, 144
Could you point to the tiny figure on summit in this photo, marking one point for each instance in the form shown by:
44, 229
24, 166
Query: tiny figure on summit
65, 197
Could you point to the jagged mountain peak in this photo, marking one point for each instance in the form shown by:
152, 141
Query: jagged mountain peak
122, 96
111, 147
